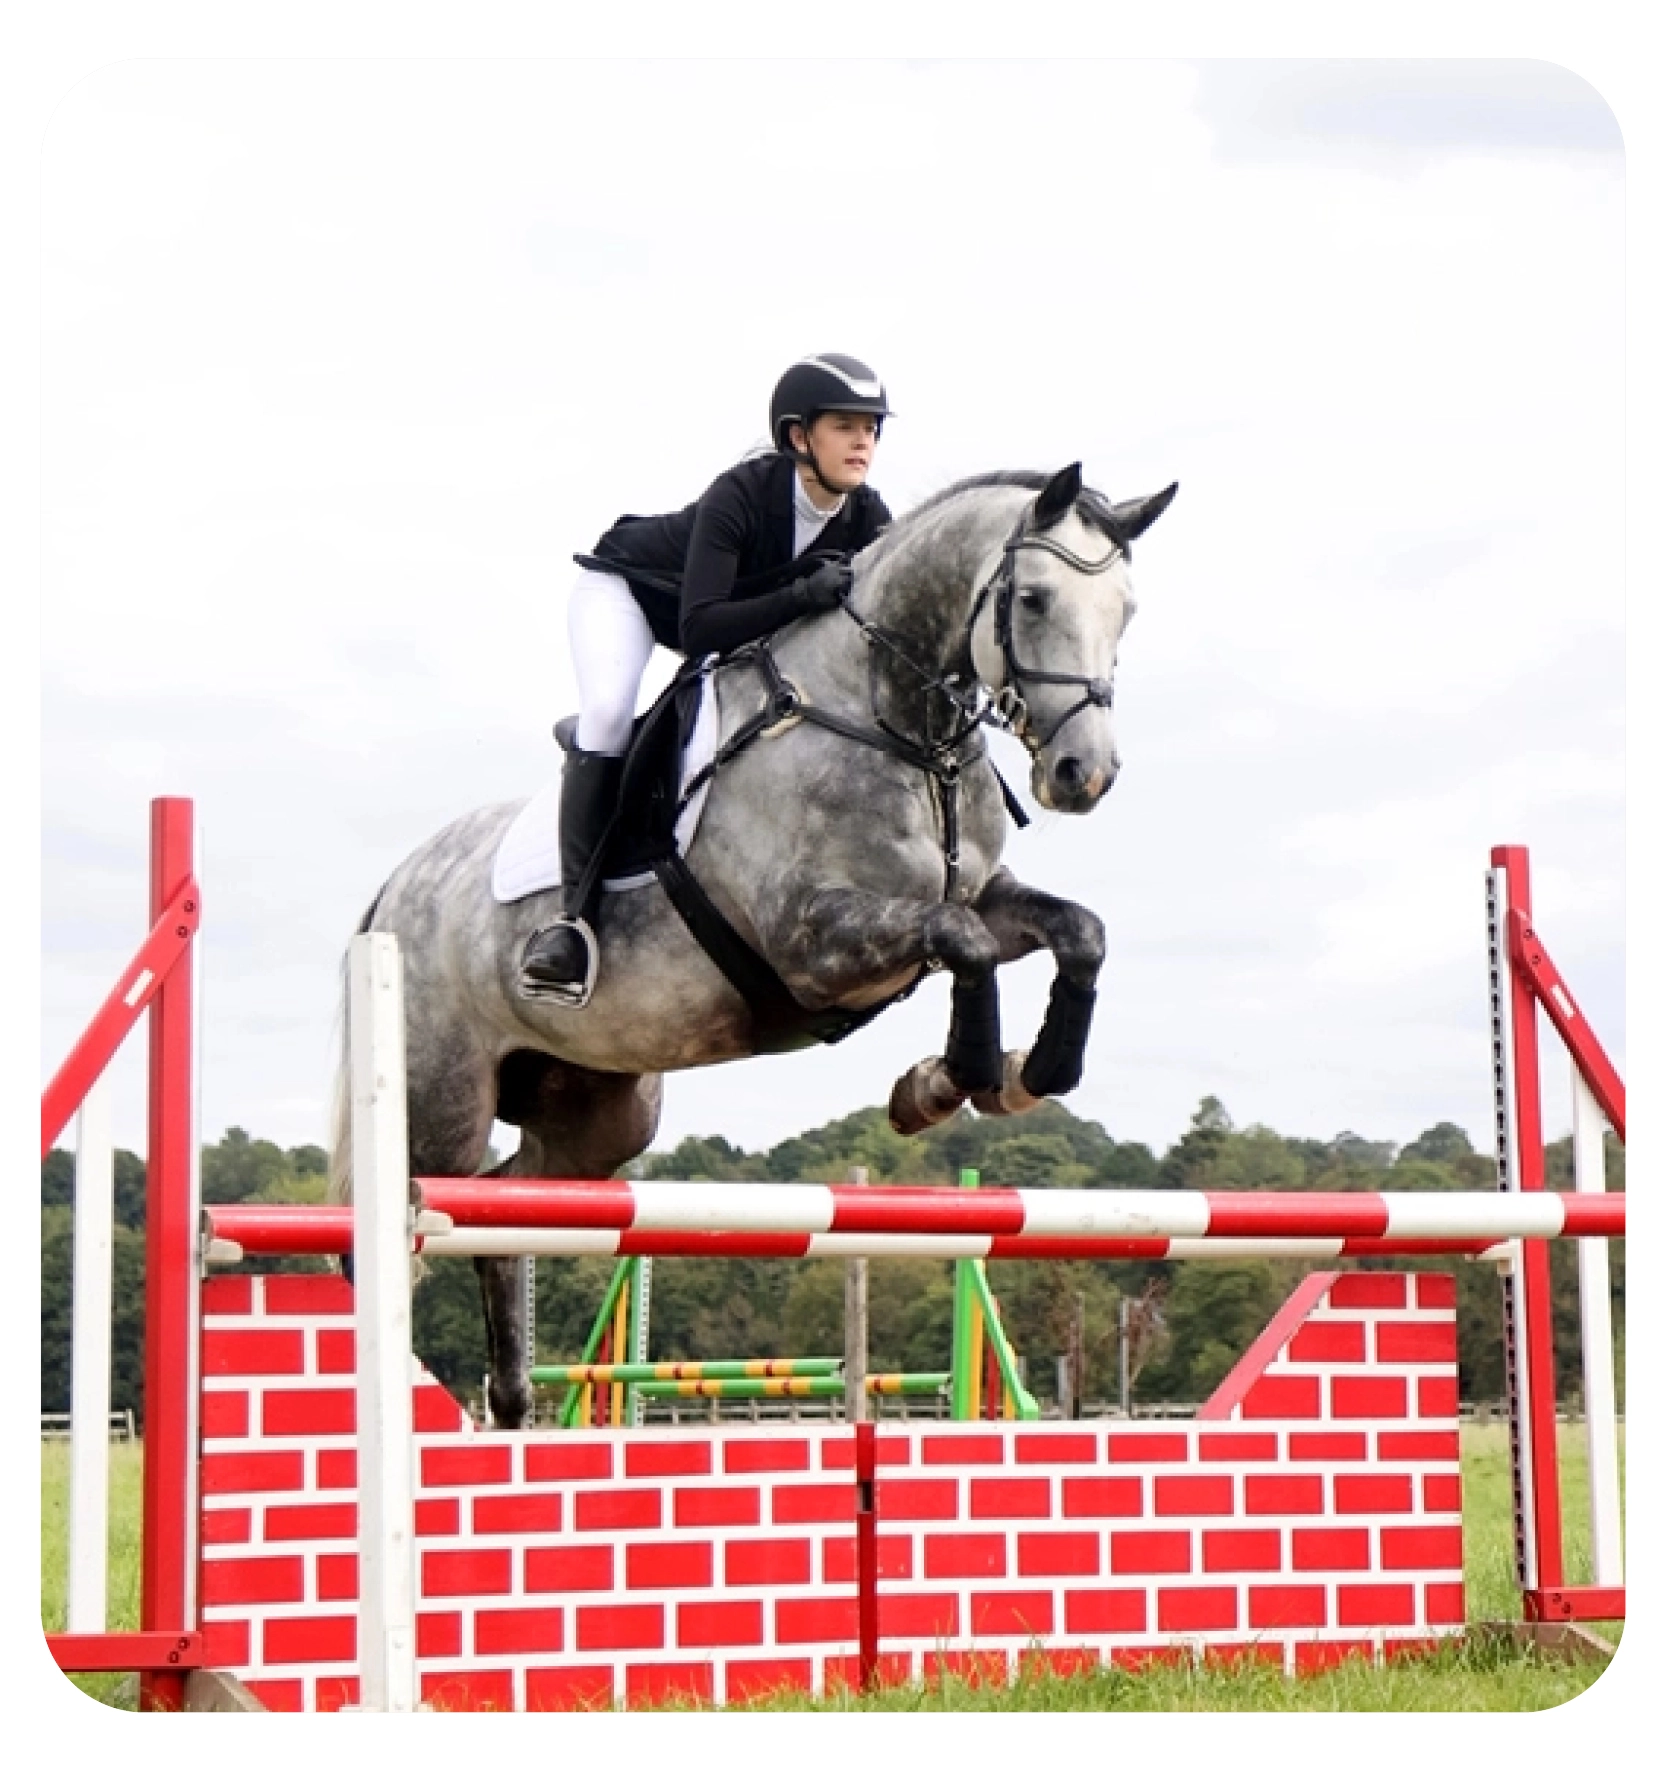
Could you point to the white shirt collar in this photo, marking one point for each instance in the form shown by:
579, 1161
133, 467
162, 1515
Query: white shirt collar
807, 512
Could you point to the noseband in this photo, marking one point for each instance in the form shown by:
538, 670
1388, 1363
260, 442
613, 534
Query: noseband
1010, 705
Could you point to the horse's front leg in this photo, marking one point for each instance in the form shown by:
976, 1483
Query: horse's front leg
847, 943
1024, 920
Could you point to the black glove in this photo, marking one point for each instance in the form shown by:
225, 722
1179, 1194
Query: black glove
823, 588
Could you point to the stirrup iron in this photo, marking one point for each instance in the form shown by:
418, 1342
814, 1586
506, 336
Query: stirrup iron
573, 993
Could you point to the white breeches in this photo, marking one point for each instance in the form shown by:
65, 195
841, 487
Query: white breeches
611, 644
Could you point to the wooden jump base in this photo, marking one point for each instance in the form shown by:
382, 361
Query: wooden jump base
1309, 1511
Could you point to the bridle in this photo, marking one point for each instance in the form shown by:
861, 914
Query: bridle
1009, 704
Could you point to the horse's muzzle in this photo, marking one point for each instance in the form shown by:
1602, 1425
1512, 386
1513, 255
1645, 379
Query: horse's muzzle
1074, 784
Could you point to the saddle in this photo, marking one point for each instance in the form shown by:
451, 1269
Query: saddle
645, 821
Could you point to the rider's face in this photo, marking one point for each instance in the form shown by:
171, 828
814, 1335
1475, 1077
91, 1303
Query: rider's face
843, 444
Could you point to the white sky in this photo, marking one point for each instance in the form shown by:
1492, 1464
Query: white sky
337, 360
343, 360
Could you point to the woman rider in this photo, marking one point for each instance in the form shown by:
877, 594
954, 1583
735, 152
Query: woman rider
725, 570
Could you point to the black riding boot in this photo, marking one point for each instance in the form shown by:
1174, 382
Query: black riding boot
560, 962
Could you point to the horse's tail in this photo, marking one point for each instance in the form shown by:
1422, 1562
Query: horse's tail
341, 1099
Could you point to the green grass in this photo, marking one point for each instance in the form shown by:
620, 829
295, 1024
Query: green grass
122, 1591
1490, 1558
1469, 1675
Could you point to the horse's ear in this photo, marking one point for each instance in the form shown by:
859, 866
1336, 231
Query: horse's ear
1057, 496
1136, 515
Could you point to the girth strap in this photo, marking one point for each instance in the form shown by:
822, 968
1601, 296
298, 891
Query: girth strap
781, 1023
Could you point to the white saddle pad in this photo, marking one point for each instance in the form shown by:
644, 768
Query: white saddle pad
529, 856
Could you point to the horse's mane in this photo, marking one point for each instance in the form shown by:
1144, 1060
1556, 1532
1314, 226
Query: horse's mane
1093, 507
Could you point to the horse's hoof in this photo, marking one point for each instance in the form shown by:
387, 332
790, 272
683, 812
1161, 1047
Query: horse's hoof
1012, 1097
508, 1413
923, 1096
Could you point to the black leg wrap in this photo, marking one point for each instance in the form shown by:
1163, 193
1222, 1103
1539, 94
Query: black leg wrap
973, 1053
1054, 1066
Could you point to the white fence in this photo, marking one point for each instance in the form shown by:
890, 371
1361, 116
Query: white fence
57, 1426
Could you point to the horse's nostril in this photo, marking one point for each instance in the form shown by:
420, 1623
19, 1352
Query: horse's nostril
1069, 773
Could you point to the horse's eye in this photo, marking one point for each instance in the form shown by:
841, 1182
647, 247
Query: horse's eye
1034, 600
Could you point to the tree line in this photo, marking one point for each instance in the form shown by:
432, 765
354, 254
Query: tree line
1191, 1320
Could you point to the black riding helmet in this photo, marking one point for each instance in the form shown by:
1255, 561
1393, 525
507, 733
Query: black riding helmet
826, 383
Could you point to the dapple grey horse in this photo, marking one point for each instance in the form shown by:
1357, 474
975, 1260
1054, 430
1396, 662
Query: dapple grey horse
855, 846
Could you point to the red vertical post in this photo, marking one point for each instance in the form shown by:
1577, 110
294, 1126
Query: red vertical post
868, 1561
1536, 1412
598, 1393
165, 1593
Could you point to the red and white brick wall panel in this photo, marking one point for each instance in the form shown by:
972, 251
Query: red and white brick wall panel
1311, 1511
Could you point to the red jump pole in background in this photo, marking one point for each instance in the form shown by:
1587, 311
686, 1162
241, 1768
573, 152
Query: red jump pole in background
1522, 979
167, 1642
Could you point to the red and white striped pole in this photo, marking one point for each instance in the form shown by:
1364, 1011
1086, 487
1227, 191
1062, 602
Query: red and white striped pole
798, 1222
1009, 1219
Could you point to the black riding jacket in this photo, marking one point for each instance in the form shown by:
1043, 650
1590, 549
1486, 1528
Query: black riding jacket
719, 572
